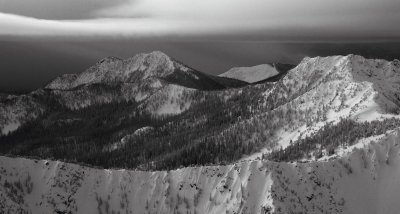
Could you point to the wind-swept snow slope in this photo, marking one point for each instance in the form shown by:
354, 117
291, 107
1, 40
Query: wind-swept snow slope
361, 182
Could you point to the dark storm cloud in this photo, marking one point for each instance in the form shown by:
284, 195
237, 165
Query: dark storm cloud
56, 9
266, 19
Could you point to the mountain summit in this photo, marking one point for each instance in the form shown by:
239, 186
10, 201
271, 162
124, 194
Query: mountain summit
146, 67
114, 70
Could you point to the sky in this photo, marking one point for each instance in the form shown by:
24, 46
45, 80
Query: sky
40, 39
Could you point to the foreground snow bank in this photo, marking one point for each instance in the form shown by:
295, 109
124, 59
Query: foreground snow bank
366, 180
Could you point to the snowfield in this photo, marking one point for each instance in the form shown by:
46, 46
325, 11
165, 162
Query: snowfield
251, 74
365, 180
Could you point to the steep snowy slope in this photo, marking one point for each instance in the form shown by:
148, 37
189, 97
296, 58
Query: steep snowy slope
362, 181
324, 89
343, 84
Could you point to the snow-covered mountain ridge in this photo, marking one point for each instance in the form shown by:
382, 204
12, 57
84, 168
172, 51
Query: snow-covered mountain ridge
323, 90
364, 181
146, 67
339, 86
214, 127
113, 69
349, 85
111, 80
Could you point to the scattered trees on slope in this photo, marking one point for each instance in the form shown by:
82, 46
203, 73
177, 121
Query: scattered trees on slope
330, 137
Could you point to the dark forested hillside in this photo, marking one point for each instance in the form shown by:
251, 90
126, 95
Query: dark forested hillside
93, 135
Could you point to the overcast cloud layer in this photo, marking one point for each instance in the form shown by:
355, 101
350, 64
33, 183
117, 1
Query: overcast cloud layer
283, 19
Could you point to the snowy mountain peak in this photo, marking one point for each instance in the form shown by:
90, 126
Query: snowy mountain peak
156, 64
115, 70
155, 57
158, 55
349, 86
140, 70
350, 66
351, 60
